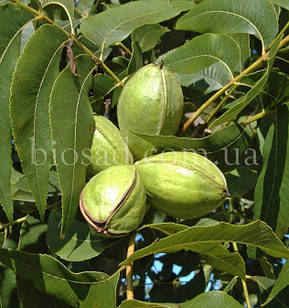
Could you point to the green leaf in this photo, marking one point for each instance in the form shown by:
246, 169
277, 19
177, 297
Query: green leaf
243, 41
32, 298
271, 193
72, 123
216, 255
102, 294
240, 181
167, 228
209, 79
2, 239
148, 36
224, 147
101, 85
202, 239
282, 3
281, 282
10, 34
66, 5
115, 24
34, 75
136, 60
233, 16
243, 101
79, 243
50, 276
8, 291
32, 235
203, 51
211, 299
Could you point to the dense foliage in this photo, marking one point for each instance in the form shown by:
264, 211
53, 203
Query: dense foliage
61, 62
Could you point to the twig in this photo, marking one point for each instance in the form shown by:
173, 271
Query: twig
222, 102
120, 44
249, 69
17, 221
128, 269
41, 15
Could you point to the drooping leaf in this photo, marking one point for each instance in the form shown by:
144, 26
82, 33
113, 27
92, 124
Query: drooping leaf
78, 245
50, 276
10, 34
216, 255
148, 36
281, 282
243, 101
200, 239
201, 52
117, 23
224, 147
72, 125
211, 299
271, 193
35, 73
136, 60
233, 16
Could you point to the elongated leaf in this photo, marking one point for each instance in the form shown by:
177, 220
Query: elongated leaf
233, 16
35, 73
198, 239
79, 244
216, 255
203, 51
243, 101
117, 23
10, 34
148, 36
211, 299
50, 276
281, 282
167, 228
271, 193
224, 147
72, 124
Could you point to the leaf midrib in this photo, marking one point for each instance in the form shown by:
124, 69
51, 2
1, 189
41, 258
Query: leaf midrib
236, 15
129, 20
